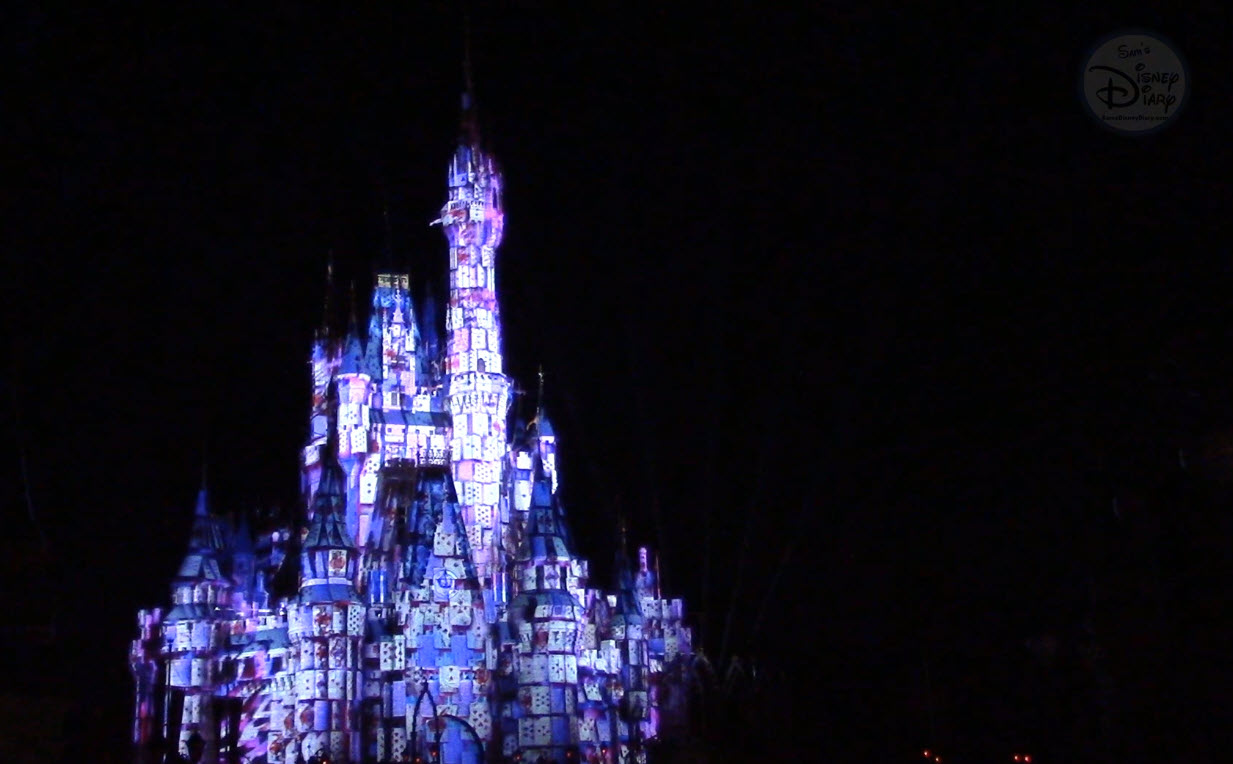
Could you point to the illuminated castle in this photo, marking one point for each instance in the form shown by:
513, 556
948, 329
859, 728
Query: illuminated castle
430, 604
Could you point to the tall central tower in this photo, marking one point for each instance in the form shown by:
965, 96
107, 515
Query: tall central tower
478, 390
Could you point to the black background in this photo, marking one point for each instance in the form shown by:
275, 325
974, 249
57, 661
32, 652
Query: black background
921, 378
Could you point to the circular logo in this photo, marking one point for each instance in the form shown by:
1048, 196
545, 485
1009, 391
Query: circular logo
1134, 82
444, 579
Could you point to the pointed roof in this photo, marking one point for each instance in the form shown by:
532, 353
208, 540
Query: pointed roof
627, 604
205, 544
429, 344
469, 121
329, 289
241, 537
394, 505
428, 318
372, 346
541, 424
546, 536
518, 433
285, 581
353, 351
328, 527
388, 253
327, 530
545, 542
470, 159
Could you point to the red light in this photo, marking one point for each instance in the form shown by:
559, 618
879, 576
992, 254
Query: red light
1017, 757
937, 758
926, 754
1027, 758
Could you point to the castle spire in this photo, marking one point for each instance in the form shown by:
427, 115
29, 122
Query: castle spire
470, 123
202, 509
351, 301
329, 289
541, 423
353, 349
546, 535
206, 544
627, 595
389, 236
373, 342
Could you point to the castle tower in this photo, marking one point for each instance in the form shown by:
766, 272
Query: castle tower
243, 568
626, 624
383, 709
544, 436
478, 390
399, 338
194, 633
322, 364
545, 619
354, 423
326, 627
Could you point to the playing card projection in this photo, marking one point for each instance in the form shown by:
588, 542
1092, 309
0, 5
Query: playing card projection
428, 591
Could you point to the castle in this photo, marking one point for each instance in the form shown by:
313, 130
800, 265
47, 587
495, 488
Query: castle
430, 605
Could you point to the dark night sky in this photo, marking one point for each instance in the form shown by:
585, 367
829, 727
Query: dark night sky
867, 289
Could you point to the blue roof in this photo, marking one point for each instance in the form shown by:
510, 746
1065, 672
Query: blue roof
372, 346
518, 433
207, 534
546, 536
627, 605
550, 597
522, 608
200, 566
327, 528
327, 593
190, 612
353, 351
435, 503
430, 337
205, 544
542, 425
276, 637
413, 418
241, 538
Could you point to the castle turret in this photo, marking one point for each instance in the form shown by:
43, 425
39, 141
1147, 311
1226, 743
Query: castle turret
322, 364
144, 663
430, 361
354, 422
543, 436
545, 619
243, 567
399, 338
327, 625
194, 632
626, 631
373, 364
477, 387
